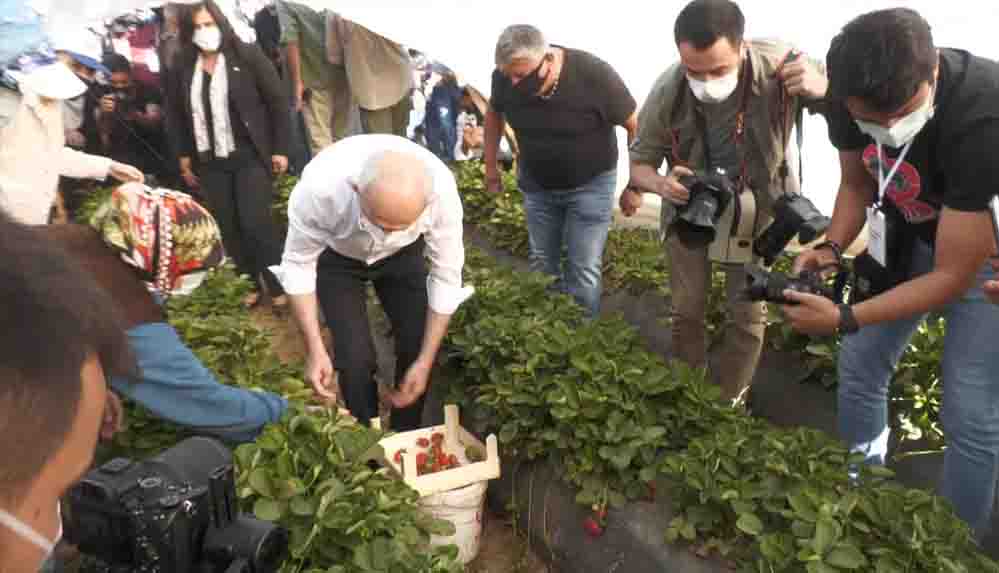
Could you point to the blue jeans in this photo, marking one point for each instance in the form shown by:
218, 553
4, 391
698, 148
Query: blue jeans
578, 218
441, 131
176, 386
970, 409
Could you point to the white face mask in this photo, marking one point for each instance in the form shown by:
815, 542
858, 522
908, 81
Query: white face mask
27, 532
716, 90
208, 38
905, 129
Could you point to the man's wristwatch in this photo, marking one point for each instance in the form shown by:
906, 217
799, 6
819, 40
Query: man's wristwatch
847, 321
832, 246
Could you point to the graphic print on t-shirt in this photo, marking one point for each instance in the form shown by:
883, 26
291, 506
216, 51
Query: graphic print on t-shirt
903, 189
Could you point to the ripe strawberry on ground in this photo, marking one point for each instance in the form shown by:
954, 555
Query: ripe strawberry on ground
592, 528
423, 442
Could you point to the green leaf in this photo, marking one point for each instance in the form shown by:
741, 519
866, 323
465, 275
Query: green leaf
260, 481
302, 506
819, 567
826, 534
750, 524
845, 556
880, 471
802, 506
268, 509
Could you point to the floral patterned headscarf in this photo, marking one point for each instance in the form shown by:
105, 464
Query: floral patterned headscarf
166, 235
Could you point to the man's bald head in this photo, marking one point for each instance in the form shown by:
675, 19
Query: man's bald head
393, 187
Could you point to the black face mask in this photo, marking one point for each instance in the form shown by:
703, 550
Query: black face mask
531, 84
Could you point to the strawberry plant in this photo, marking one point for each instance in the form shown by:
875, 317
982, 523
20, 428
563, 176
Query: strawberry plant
88, 207
310, 474
783, 501
283, 186
581, 393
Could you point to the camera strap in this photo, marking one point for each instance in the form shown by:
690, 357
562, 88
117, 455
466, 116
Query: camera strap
784, 104
739, 134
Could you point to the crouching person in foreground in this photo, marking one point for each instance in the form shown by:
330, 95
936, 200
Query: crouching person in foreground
368, 209
60, 336
120, 253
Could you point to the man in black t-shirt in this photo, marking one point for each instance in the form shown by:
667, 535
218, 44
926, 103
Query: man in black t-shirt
917, 130
563, 105
130, 120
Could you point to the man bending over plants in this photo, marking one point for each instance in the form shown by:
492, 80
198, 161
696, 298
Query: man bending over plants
165, 239
368, 209
917, 128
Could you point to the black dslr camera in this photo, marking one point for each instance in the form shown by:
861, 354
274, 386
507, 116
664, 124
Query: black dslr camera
763, 285
710, 194
793, 215
174, 513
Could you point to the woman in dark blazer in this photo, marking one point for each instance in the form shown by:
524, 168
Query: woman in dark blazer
228, 117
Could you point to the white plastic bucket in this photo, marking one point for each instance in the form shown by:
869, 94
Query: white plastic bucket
464, 508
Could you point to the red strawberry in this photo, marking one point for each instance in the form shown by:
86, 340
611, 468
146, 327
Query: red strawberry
602, 515
398, 456
437, 438
453, 460
423, 442
421, 459
592, 528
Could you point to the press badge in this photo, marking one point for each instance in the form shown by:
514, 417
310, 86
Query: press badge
877, 241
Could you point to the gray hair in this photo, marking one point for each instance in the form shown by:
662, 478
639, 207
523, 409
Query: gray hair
520, 41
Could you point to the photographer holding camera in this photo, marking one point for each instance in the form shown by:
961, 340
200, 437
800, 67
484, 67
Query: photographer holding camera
727, 108
130, 121
60, 338
917, 128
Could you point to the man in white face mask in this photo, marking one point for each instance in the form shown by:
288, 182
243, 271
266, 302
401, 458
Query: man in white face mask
917, 129
716, 109
51, 411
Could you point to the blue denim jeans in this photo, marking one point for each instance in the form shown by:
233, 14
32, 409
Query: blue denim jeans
176, 386
970, 409
577, 218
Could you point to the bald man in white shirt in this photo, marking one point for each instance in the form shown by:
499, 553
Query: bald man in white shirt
374, 209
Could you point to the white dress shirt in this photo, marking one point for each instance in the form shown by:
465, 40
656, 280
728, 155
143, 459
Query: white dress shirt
324, 211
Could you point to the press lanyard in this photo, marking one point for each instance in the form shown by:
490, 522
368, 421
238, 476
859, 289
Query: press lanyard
883, 180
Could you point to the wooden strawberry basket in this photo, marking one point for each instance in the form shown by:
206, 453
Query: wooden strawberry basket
456, 441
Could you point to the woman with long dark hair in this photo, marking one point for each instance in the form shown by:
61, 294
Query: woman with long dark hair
229, 121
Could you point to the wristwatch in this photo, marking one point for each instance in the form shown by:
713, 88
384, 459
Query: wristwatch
847, 321
834, 247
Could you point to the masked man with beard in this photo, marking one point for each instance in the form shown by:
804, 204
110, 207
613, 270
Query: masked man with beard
728, 104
